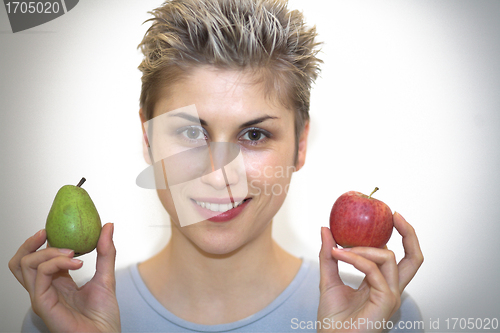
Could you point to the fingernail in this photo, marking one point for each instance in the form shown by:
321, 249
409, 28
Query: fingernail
65, 251
77, 261
38, 233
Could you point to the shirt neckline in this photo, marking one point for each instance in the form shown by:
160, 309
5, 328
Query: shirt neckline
162, 311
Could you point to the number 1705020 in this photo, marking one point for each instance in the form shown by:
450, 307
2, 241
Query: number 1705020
32, 7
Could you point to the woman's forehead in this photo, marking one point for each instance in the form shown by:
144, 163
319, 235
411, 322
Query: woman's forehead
224, 91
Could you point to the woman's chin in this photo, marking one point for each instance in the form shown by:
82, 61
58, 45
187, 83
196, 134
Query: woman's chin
216, 243
219, 251
219, 245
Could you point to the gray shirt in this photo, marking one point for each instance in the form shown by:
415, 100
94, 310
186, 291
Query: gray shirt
294, 310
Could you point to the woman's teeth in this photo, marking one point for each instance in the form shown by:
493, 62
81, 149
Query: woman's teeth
214, 207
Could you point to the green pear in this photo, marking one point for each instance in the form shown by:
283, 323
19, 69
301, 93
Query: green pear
73, 222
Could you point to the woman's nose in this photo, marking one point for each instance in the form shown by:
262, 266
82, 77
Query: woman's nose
216, 179
226, 170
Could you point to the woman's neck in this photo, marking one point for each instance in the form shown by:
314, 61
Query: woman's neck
214, 289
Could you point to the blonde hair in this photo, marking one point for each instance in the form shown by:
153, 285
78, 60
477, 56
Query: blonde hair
258, 35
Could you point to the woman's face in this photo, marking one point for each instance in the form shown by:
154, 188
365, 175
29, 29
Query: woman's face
209, 107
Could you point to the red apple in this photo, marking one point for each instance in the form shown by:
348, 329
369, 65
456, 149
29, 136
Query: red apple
360, 220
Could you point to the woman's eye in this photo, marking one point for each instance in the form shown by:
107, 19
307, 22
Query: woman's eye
194, 133
254, 136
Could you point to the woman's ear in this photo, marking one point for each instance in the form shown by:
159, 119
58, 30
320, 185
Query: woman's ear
145, 142
301, 153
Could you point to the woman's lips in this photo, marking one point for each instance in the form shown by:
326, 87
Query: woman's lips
224, 210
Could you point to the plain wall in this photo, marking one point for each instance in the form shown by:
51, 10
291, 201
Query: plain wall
408, 100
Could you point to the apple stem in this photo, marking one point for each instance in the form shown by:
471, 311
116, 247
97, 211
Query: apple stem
375, 190
80, 183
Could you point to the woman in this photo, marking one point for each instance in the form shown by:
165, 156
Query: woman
240, 73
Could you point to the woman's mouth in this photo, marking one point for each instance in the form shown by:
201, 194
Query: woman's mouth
215, 207
220, 212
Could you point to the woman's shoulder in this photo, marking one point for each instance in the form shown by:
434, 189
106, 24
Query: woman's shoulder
123, 275
129, 287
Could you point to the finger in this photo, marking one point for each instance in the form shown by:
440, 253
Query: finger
106, 257
386, 260
30, 263
373, 275
329, 270
29, 246
413, 258
46, 270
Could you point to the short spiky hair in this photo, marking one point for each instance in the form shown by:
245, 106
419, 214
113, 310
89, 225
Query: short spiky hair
258, 35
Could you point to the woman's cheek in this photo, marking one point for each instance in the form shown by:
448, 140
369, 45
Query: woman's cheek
167, 202
254, 188
266, 179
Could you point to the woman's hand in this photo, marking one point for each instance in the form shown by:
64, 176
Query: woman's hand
55, 297
379, 295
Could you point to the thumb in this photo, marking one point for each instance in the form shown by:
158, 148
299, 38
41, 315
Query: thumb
328, 266
106, 255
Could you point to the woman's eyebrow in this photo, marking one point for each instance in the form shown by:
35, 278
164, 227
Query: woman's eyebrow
257, 120
189, 117
195, 119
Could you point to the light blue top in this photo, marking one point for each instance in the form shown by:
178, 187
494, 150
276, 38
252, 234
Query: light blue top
294, 310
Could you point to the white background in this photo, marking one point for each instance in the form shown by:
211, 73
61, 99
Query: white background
408, 100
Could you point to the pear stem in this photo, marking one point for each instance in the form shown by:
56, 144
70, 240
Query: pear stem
375, 190
80, 183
